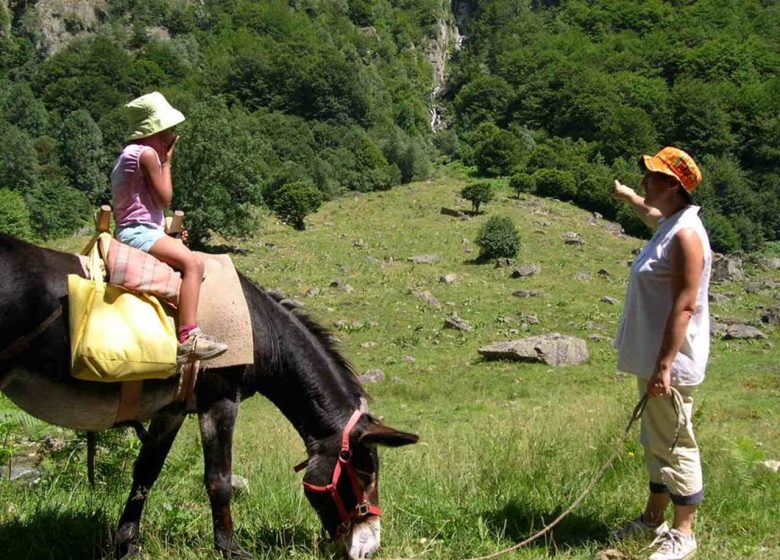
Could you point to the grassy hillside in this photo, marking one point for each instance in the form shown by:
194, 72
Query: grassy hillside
505, 446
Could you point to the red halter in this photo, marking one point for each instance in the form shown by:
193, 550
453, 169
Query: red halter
363, 508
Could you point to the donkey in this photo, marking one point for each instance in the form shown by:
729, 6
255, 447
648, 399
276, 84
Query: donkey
296, 366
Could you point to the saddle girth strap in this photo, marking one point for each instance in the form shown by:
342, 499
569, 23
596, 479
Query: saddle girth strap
20, 344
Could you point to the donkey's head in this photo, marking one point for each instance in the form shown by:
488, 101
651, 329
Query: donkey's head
342, 482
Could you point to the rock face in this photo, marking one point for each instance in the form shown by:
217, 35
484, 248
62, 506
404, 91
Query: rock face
727, 268
62, 20
553, 349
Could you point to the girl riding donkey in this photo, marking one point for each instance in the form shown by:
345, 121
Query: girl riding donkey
142, 188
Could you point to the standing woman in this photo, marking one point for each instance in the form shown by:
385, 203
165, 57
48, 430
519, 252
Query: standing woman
664, 339
141, 189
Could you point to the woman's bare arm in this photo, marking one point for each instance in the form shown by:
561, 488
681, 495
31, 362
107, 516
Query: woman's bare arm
648, 214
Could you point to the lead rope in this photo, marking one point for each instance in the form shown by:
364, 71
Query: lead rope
677, 403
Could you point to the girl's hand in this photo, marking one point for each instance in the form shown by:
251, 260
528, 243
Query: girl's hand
184, 236
171, 148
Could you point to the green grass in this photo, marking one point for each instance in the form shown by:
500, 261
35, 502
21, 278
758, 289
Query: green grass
504, 447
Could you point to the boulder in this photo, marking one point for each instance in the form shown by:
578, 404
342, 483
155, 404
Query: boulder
526, 270
448, 279
429, 299
742, 332
455, 322
582, 275
372, 376
573, 238
553, 349
530, 318
424, 259
527, 293
771, 315
727, 268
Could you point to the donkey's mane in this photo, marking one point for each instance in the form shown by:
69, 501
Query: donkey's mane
323, 336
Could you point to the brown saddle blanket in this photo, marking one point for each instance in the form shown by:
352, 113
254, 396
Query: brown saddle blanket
222, 309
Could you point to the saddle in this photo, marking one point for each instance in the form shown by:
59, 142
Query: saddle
222, 310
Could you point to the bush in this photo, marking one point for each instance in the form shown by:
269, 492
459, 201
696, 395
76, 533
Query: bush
57, 209
14, 215
478, 194
555, 183
521, 183
294, 201
723, 237
498, 238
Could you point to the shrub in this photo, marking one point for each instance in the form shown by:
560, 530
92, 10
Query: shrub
498, 238
294, 201
555, 183
14, 215
496, 152
521, 183
57, 209
478, 194
723, 237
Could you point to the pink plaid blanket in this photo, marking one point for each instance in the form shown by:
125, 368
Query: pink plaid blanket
141, 272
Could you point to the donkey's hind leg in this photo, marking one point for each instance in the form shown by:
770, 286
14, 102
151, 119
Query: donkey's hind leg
217, 422
162, 431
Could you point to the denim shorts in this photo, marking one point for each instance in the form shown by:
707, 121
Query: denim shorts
140, 236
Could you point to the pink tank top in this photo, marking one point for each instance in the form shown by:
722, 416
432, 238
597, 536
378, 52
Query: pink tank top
131, 196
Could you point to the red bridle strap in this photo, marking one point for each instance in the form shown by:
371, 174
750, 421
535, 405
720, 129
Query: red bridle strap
363, 507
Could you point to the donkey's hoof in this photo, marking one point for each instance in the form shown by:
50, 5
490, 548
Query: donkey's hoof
126, 551
235, 551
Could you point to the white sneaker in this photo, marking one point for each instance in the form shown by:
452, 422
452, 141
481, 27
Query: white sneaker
674, 545
199, 346
638, 528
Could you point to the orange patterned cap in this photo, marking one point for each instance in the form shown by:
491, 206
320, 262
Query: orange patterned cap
673, 161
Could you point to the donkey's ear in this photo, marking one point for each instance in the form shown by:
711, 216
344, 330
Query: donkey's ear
379, 434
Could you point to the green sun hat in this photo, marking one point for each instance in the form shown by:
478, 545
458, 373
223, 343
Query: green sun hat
150, 114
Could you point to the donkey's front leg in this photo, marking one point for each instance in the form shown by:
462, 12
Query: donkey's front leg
162, 432
217, 422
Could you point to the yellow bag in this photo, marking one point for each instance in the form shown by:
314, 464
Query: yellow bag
115, 334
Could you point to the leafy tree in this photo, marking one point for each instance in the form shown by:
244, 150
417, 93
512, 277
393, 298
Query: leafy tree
497, 238
217, 174
83, 156
521, 183
555, 183
19, 168
496, 151
57, 209
14, 215
23, 109
723, 237
294, 201
485, 99
478, 194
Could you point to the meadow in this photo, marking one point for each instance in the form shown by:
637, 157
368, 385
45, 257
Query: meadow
504, 446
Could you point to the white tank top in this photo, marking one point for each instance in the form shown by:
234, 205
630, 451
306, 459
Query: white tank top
649, 302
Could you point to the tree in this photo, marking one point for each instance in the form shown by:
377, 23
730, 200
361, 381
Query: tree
723, 237
478, 193
555, 183
19, 168
83, 156
294, 201
497, 238
485, 99
218, 171
521, 183
496, 151
23, 109
14, 215
57, 209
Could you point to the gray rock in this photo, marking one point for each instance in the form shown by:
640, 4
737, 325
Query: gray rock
448, 279
373, 260
372, 376
347, 289
717, 329
454, 212
553, 349
527, 293
52, 444
718, 299
597, 337
311, 292
26, 474
369, 344
614, 228
598, 216
604, 272
573, 238
727, 268
526, 270
610, 300
742, 332
582, 275
239, 484
429, 299
358, 243
424, 259
770, 263
398, 380
341, 324
505, 262
457, 323
771, 315
529, 318
769, 466
409, 359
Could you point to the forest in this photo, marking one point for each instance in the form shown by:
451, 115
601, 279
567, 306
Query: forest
334, 96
